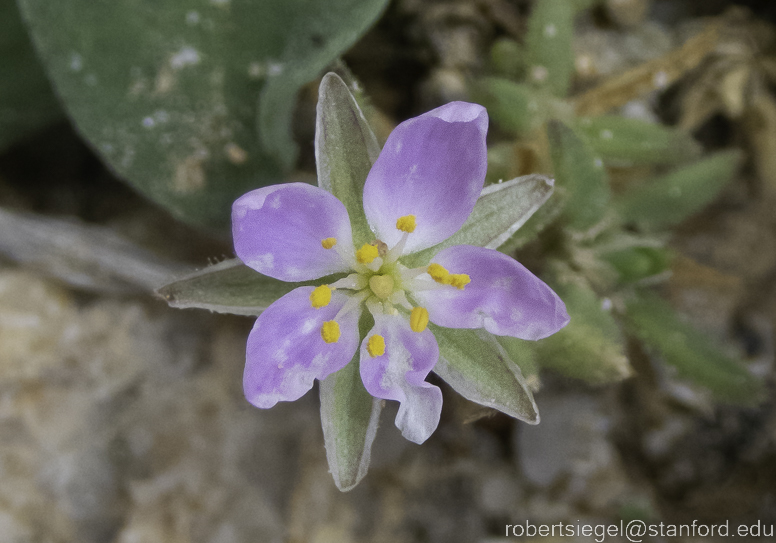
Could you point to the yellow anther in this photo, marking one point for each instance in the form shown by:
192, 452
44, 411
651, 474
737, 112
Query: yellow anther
376, 346
321, 296
458, 280
406, 223
381, 285
419, 319
328, 243
438, 273
330, 332
367, 253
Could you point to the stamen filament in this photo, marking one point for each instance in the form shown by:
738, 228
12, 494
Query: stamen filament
354, 281
398, 249
353, 302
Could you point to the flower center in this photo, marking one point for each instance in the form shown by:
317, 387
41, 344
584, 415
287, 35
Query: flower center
381, 285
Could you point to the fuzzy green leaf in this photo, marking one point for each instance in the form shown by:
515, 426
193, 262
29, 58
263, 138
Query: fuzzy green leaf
479, 369
692, 353
668, 200
345, 149
548, 44
544, 217
581, 173
632, 141
499, 212
636, 263
229, 287
515, 107
26, 100
350, 417
168, 92
590, 347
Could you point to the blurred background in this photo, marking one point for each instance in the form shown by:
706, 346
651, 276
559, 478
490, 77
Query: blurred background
128, 128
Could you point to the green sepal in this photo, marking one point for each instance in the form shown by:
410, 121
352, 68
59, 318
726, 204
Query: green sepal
499, 212
350, 417
316, 34
544, 217
229, 287
345, 149
523, 353
514, 107
692, 353
479, 369
581, 173
27, 102
668, 200
632, 141
591, 346
548, 44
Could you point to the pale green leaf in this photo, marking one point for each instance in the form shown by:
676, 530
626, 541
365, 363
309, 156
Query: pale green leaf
668, 200
632, 141
345, 149
315, 34
350, 417
499, 212
229, 287
694, 355
591, 346
479, 369
548, 44
168, 92
514, 107
581, 173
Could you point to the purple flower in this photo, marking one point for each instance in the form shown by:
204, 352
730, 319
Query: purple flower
419, 192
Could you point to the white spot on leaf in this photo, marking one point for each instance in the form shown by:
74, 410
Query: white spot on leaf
76, 62
187, 56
